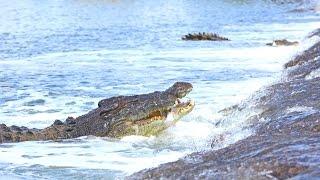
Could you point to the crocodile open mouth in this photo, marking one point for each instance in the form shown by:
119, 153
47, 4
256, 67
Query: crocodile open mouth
182, 108
179, 109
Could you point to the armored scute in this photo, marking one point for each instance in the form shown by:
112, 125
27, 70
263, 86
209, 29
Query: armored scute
204, 37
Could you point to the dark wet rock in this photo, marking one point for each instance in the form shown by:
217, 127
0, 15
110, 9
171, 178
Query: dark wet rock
203, 37
70, 121
308, 55
283, 42
69, 129
57, 122
286, 142
23, 128
314, 33
4, 128
30, 133
15, 128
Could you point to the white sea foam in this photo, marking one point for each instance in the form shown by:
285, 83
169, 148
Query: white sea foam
313, 74
305, 109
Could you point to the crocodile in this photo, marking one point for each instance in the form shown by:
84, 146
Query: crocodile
204, 37
282, 42
115, 117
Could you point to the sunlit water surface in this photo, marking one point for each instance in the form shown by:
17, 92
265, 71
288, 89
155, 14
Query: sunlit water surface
59, 58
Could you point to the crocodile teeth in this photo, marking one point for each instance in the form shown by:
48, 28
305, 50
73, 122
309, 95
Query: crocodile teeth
177, 102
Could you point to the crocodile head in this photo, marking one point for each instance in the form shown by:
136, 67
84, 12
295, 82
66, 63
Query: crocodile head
152, 113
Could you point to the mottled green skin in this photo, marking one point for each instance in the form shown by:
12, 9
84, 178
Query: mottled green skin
115, 117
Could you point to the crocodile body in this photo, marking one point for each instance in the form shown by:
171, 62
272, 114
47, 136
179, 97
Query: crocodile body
115, 117
283, 42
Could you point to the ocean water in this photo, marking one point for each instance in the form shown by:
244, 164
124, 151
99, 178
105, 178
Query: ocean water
59, 58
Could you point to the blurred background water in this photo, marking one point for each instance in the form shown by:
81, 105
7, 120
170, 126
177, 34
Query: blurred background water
59, 58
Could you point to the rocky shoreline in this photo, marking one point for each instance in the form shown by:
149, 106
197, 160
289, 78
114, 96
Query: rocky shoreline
286, 142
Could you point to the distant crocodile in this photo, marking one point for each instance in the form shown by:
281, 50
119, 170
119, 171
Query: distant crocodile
204, 37
146, 114
283, 42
